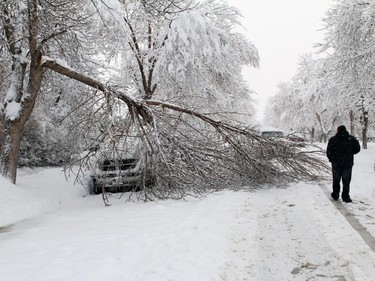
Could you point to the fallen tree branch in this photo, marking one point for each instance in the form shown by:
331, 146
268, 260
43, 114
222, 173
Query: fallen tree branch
191, 153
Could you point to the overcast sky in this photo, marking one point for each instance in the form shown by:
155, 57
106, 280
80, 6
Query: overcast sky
282, 30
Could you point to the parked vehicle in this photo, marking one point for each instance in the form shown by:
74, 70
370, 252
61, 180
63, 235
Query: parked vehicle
117, 175
119, 168
296, 139
272, 134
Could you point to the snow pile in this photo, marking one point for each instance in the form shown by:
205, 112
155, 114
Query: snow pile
37, 191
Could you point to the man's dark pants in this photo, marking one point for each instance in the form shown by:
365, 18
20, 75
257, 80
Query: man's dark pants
344, 174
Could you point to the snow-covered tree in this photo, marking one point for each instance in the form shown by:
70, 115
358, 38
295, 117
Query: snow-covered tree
338, 88
350, 39
320, 112
194, 60
312, 102
32, 31
303, 105
187, 54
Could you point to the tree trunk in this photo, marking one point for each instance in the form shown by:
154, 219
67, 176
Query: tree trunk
12, 130
311, 133
11, 147
351, 120
364, 123
364, 129
25, 93
323, 136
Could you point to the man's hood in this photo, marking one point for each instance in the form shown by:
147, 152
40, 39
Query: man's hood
343, 134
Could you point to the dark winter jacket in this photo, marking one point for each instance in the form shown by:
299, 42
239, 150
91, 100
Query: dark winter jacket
341, 148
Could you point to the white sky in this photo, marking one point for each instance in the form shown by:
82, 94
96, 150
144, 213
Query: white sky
282, 30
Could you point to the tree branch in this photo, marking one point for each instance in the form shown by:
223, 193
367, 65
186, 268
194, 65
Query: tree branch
187, 156
68, 72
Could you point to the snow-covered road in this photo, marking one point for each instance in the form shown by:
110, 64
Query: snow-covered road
295, 233
301, 236
279, 234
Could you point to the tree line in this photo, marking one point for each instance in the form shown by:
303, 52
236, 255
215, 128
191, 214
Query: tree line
334, 86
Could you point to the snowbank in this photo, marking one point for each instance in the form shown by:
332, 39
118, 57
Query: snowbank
37, 191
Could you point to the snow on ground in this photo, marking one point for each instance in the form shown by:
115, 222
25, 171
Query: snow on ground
50, 230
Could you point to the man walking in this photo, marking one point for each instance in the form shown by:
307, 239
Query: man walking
340, 151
